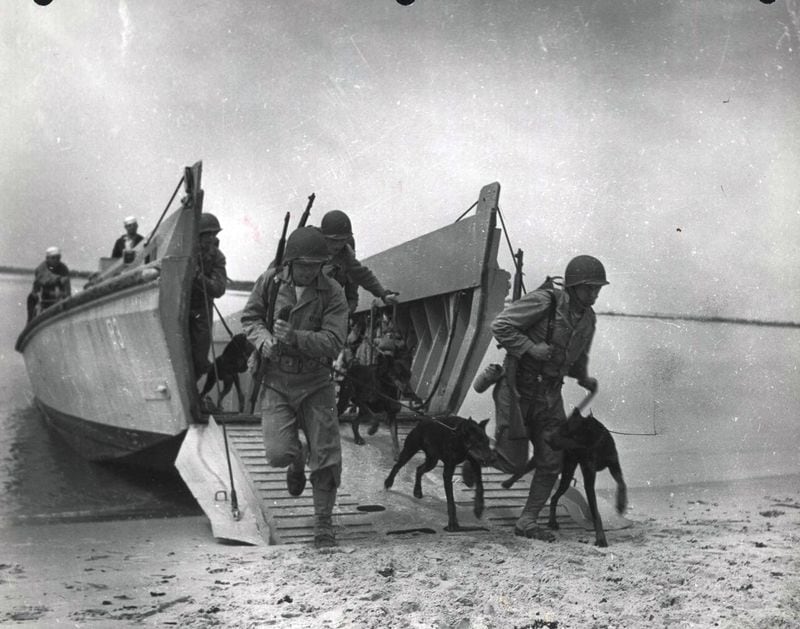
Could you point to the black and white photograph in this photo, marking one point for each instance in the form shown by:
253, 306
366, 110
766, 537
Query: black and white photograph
426, 314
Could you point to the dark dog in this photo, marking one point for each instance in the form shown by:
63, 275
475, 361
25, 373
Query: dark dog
375, 390
451, 440
585, 442
227, 367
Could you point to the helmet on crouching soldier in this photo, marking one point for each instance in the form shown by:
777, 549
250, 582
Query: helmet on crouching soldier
209, 224
584, 269
336, 225
305, 244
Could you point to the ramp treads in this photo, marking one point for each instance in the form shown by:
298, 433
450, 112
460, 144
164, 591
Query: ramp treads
364, 509
291, 518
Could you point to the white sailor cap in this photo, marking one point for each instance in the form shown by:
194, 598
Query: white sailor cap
130, 220
53, 251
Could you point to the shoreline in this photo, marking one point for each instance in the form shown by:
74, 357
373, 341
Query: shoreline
714, 548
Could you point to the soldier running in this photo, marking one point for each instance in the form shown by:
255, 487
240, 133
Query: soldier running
297, 392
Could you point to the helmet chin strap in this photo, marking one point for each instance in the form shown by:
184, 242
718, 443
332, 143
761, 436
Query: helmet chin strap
573, 297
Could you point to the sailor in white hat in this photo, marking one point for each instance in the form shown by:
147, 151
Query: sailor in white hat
50, 283
128, 240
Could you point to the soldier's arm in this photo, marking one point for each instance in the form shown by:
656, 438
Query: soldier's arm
217, 280
510, 326
363, 276
254, 315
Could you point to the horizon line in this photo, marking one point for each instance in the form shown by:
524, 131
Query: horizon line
245, 285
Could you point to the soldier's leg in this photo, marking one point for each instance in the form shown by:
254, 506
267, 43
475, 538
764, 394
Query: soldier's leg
511, 446
279, 427
325, 459
200, 339
545, 415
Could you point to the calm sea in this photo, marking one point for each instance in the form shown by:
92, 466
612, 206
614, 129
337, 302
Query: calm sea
690, 402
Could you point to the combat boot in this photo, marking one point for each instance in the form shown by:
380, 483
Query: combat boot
526, 526
296, 474
324, 491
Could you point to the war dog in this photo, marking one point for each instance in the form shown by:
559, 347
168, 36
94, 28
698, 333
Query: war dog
451, 440
585, 442
227, 367
375, 391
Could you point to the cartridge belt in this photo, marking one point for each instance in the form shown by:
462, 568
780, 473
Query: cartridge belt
288, 363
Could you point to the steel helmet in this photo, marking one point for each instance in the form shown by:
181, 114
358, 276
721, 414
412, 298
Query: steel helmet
209, 224
584, 270
335, 224
306, 244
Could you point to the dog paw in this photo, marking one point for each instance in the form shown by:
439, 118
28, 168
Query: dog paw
478, 510
359, 441
602, 543
552, 524
417, 493
372, 429
452, 528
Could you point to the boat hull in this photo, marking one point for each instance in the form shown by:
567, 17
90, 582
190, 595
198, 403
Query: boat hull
101, 442
110, 367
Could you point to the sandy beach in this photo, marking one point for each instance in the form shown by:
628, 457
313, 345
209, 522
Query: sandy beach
713, 555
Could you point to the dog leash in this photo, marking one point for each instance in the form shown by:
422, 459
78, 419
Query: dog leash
585, 402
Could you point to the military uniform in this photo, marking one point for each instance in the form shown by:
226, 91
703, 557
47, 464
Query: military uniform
125, 243
345, 268
297, 390
522, 329
297, 381
50, 285
209, 283
522, 324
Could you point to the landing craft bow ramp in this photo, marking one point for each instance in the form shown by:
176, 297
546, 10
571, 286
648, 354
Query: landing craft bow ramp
365, 511
450, 288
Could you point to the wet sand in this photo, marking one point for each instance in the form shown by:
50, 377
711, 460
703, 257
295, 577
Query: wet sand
712, 555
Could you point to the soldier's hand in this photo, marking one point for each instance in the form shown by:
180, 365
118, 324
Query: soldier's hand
284, 332
541, 351
390, 298
267, 348
590, 384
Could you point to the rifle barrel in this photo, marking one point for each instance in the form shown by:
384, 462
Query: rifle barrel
307, 211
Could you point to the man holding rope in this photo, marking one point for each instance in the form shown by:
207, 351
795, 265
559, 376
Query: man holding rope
297, 391
209, 283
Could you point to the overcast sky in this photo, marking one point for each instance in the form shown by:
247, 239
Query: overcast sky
661, 137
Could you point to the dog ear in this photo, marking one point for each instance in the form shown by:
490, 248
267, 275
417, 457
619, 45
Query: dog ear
483, 424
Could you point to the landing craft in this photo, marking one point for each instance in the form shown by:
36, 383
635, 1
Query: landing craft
111, 366
111, 370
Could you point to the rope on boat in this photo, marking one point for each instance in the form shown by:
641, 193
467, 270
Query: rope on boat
234, 500
161, 218
225, 325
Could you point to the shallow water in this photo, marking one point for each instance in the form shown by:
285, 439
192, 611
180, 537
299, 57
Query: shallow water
41, 479
707, 401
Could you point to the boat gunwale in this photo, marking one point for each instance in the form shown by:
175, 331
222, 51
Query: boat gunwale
113, 287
